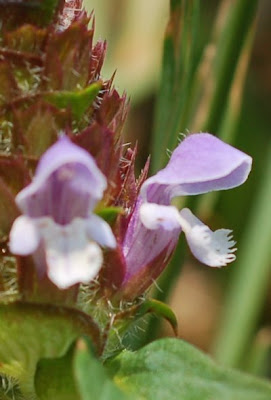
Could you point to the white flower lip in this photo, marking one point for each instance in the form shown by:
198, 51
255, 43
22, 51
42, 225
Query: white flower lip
214, 249
24, 236
211, 248
71, 257
72, 251
153, 216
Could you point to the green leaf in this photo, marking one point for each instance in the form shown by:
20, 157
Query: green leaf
172, 369
92, 379
29, 332
109, 214
78, 101
48, 8
54, 378
159, 309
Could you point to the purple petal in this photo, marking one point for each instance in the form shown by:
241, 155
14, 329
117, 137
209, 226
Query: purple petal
65, 152
24, 236
67, 184
211, 248
142, 245
201, 163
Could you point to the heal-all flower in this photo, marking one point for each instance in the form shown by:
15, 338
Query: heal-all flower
201, 163
57, 218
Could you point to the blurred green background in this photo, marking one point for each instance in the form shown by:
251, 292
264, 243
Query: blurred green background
227, 311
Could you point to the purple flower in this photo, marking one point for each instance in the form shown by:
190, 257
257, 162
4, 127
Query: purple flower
200, 164
57, 216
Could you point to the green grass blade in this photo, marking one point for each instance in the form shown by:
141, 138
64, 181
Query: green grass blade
231, 119
230, 46
250, 282
177, 70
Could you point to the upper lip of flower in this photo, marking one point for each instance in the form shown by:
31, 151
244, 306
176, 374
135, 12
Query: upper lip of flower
64, 154
200, 164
